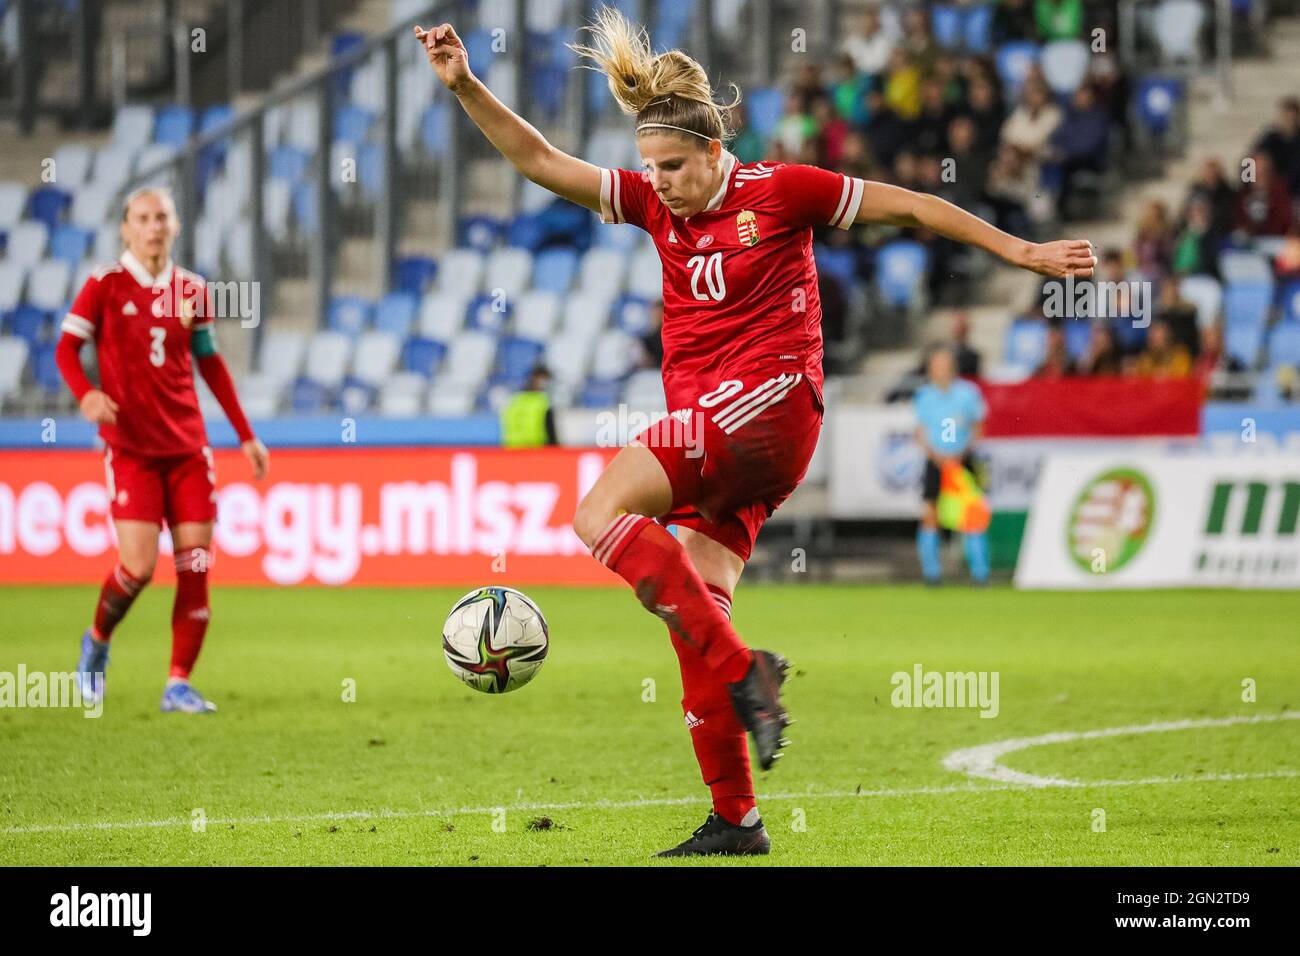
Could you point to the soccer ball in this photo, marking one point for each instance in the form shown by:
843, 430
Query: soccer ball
495, 639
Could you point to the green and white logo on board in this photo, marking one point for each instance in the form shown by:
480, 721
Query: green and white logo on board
1111, 520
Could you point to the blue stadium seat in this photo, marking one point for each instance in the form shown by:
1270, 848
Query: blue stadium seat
172, 125
1284, 345
1077, 334
349, 314
764, 108
979, 28
1156, 101
356, 396
396, 313
632, 314
1026, 343
598, 393
340, 44
45, 369
1242, 341
900, 271
525, 232
423, 356
48, 205
414, 274
554, 269
30, 324
288, 163
1129, 337
838, 262
482, 316
1288, 301
479, 232
214, 116
1247, 303
478, 44
352, 123
71, 244
370, 169
309, 398
1014, 60
305, 205
434, 128
516, 359
946, 24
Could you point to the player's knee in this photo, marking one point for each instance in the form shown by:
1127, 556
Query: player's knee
140, 568
590, 520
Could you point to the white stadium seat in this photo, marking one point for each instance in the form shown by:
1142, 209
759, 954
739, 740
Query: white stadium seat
281, 356
260, 395
461, 271
402, 396
450, 400
133, 127
616, 353
568, 355
13, 357
603, 271
72, 164
47, 284
644, 391
13, 201
327, 358
469, 360
108, 242
27, 242
442, 315
113, 167
90, 207
586, 313
1206, 294
510, 270
376, 357
537, 313
12, 278
645, 275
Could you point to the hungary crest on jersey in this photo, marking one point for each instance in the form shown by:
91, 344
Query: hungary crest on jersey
747, 227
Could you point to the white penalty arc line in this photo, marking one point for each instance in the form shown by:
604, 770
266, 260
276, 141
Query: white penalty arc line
982, 762
386, 814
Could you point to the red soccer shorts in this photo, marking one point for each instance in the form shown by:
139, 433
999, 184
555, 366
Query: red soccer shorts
179, 488
735, 451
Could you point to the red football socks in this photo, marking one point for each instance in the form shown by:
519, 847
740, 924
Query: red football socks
650, 559
115, 598
721, 747
190, 612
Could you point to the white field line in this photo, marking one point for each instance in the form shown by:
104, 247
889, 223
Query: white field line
385, 814
982, 762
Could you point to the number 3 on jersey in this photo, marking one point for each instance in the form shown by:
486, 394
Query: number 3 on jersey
156, 354
711, 266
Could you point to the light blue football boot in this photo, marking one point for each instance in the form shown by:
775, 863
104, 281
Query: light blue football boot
180, 698
91, 667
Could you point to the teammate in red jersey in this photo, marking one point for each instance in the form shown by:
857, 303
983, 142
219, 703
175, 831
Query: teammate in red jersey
147, 317
742, 370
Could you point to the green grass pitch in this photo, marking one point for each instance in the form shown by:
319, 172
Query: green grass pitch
592, 764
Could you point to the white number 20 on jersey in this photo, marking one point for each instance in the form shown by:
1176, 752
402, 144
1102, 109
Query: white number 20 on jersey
711, 266
156, 354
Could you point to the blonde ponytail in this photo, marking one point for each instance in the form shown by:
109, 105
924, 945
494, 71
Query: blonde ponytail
666, 89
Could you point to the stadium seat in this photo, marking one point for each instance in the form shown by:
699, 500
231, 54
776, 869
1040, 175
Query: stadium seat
132, 127
600, 393
842, 263
423, 356
1284, 345
277, 204
353, 123
282, 355
30, 324
442, 315
602, 272
516, 359
414, 274
173, 125
309, 397
586, 313
480, 233
946, 24
108, 242
554, 269
327, 358
1026, 344
979, 28
1177, 28
489, 313
1247, 303
1014, 60
45, 369
461, 272
645, 274
900, 271
435, 128
1077, 334
114, 165
402, 395
49, 204
537, 314
260, 395
632, 314
208, 241
623, 236
615, 356
1155, 103
47, 284
508, 270
71, 244
13, 276
72, 165
305, 205
301, 125
288, 163
469, 360
1206, 294
152, 162
27, 242
375, 357
13, 359
568, 355
1288, 301
349, 314
644, 391
1065, 63
1239, 265
764, 108
13, 203
396, 313
450, 400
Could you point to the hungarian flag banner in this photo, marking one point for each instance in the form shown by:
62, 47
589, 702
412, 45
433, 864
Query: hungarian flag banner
1102, 406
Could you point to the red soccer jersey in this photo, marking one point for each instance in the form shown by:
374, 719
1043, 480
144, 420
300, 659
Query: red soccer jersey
141, 328
739, 284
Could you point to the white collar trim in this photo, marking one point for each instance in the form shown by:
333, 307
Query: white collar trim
728, 167
142, 275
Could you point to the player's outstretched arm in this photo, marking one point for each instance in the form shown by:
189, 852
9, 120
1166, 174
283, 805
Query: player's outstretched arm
893, 205
516, 140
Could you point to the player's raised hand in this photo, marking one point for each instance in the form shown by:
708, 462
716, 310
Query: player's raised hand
99, 408
447, 55
257, 456
1065, 257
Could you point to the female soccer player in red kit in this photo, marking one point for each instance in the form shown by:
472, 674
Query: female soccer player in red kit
742, 360
147, 317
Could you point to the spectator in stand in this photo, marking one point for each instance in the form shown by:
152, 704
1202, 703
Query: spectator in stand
968, 360
1013, 20
1080, 143
971, 169
1264, 205
1102, 357
857, 160
1154, 244
1282, 143
903, 85
796, 127
1212, 188
870, 46
1287, 262
832, 131
1058, 19
984, 107
1196, 248
652, 343
918, 40
1013, 192
848, 90
1180, 316
1213, 358
1111, 85
748, 146
1164, 356
807, 86
887, 132
1031, 124
906, 171
930, 131
1056, 363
